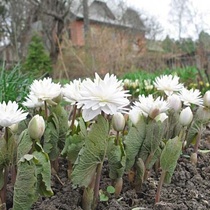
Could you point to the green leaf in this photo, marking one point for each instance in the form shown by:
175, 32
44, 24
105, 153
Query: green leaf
92, 153
140, 171
24, 144
133, 142
173, 126
116, 159
72, 147
103, 197
170, 155
25, 186
153, 138
110, 189
44, 169
83, 128
33, 179
193, 130
51, 137
8, 151
73, 144
60, 117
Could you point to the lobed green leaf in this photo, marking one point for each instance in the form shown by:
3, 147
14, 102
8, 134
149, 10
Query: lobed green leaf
133, 142
92, 153
170, 155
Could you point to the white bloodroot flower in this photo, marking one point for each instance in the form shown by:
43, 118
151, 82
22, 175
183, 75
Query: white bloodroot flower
192, 96
71, 91
45, 89
32, 101
151, 107
10, 114
102, 95
168, 83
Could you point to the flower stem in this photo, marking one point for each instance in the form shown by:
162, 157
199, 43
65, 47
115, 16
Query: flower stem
13, 174
45, 109
117, 138
6, 136
3, 190
73, 117
198, 138
149, 158
97, 184
162, 177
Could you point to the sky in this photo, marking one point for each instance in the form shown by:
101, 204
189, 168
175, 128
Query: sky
161, 10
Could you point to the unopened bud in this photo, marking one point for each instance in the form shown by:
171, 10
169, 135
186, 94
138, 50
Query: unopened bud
118, 121
186, 116
36, 127
203, 113
206, 99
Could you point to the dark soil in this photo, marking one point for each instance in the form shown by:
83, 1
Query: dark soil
189, 189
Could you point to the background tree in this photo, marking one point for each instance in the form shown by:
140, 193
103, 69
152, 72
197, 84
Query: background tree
37, 62
169, 45
19, 17
186, 45
179, 15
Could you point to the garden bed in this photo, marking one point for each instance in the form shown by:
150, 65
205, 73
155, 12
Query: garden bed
189, 189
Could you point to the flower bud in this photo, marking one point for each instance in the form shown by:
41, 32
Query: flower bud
186, 116
206, 99
174, 102
36, 127
118, 121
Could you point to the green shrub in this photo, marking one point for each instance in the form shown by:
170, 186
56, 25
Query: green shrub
37, 62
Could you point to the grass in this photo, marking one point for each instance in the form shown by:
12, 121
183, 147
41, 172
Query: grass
13, 84
190, 76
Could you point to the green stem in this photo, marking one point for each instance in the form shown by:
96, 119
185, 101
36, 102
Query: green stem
160, 184
45, 109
